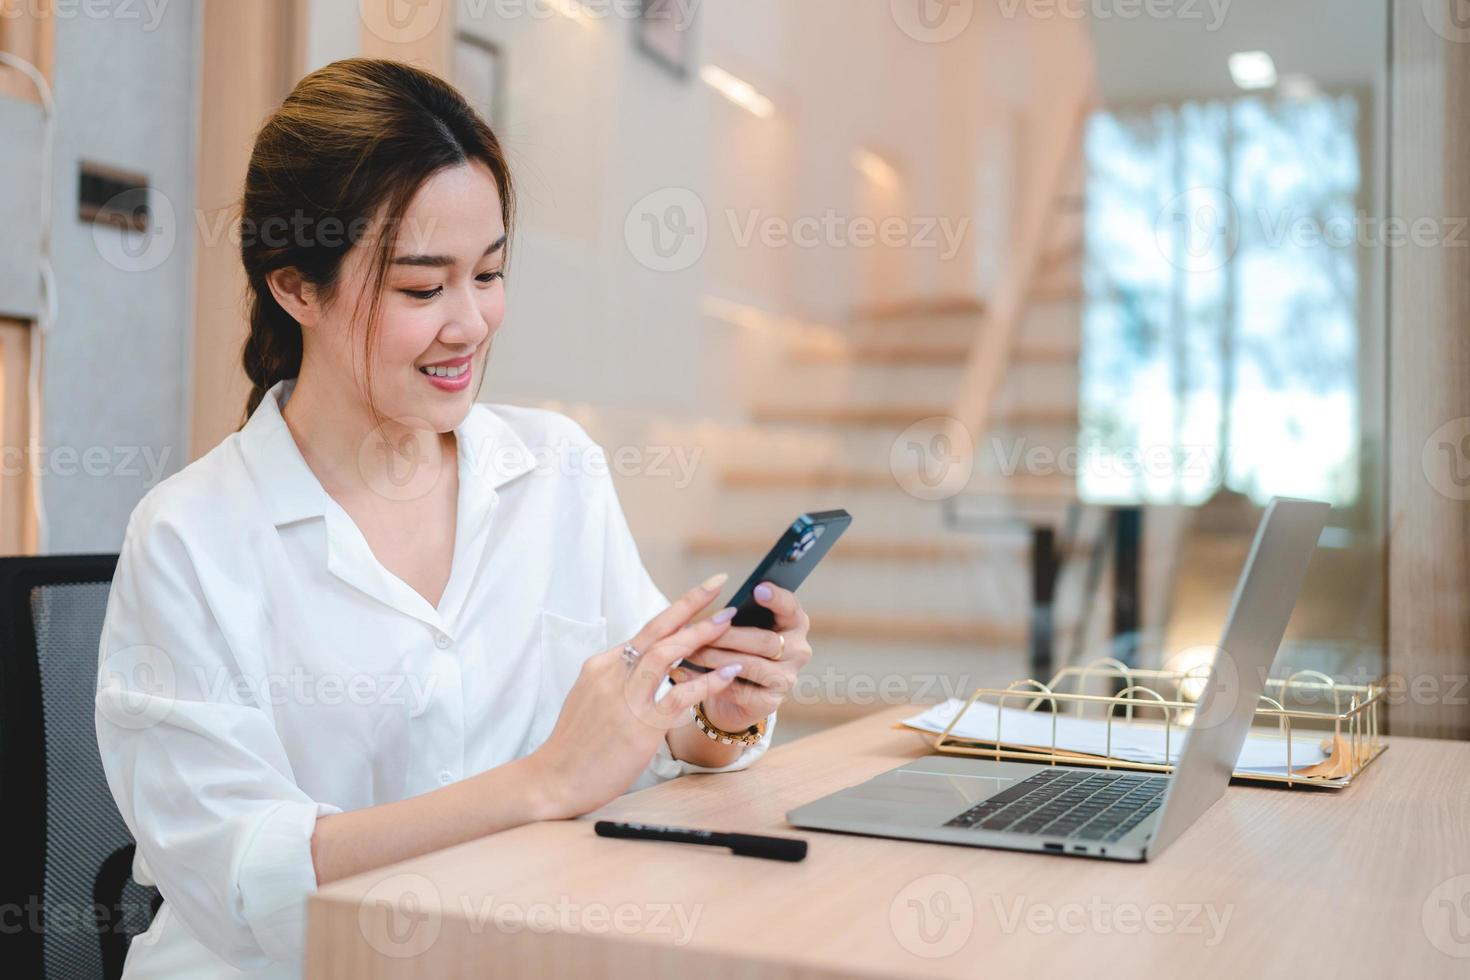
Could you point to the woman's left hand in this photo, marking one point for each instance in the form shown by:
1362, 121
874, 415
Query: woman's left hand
770, 659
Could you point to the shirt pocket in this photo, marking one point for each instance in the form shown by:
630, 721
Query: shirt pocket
566, 644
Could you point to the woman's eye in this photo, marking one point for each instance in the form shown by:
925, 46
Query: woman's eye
485, 278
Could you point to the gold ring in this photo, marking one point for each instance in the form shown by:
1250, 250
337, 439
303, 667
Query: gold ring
780, 650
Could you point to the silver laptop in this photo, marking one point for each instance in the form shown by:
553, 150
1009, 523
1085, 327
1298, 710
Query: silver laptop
1118, 815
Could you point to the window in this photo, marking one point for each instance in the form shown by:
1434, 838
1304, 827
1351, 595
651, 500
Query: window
1222, 340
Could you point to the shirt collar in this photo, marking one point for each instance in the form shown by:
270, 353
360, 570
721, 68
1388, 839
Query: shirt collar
490, 455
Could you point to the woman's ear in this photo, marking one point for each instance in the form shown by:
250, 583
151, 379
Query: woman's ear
296, 296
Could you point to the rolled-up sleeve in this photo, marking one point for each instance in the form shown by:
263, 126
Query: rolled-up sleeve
630, 600
201, 777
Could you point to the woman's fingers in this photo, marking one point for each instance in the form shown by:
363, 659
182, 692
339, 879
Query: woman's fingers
675, 705
753, 669
654, 665
755, 641
783, 603
679, 613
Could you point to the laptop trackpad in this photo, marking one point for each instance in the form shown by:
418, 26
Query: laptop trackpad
928, 788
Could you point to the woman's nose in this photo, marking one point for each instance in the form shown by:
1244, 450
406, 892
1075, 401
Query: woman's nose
466, 323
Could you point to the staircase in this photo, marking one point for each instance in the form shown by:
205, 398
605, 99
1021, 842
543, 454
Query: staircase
904, 608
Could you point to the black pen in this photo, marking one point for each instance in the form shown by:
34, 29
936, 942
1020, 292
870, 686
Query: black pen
751, 845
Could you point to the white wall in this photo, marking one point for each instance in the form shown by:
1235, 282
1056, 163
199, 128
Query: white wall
592, 127
116, 363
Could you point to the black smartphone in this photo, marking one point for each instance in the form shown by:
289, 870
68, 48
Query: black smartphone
787, 564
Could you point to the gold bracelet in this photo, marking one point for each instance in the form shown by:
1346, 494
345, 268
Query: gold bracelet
750, 736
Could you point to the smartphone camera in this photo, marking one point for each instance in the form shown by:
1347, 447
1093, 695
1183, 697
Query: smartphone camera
804, 544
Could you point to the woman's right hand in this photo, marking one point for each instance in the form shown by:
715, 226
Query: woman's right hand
610, 726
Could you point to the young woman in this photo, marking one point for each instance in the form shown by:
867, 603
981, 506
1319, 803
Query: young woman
383, 618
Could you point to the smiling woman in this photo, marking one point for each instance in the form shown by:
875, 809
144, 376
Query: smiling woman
407, 634
339, 165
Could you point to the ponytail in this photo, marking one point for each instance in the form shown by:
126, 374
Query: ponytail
273, 348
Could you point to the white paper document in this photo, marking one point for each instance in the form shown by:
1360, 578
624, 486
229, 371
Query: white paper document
1136, 741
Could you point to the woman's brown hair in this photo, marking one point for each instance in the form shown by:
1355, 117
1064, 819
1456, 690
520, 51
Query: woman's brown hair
352, 143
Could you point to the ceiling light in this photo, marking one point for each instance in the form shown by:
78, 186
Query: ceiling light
874, 167
738, 91
572, 10
1252, 69
1299, 88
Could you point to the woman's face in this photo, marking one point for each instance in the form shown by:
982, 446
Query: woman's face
443, 301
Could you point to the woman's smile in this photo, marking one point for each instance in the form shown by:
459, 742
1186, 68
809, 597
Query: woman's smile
452, 375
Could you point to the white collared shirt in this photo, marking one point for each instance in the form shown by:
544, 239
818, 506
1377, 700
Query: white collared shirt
260, 668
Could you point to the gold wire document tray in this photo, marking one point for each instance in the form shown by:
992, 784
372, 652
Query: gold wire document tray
1349, 731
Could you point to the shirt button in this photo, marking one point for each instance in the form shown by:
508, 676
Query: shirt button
445, 777
441, 641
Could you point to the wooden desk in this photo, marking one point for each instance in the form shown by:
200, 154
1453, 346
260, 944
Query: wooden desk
1370, 882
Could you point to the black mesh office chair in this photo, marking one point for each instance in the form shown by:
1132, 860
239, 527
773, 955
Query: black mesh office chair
70, 853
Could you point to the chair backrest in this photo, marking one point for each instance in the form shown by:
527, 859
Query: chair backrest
71, 853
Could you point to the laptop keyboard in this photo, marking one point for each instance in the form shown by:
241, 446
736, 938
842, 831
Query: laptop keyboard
1100, 806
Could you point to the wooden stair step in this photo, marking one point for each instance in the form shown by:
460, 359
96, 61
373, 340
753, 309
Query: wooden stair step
912, 309
749, 477
1047, 354
909, 628
1058, 485
898, 416
1061, 292
1062, 255
872, 549
955, 355
869, 415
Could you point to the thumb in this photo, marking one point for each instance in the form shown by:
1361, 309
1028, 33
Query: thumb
686, 695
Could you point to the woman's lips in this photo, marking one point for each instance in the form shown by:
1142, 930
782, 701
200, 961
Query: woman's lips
459, 383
